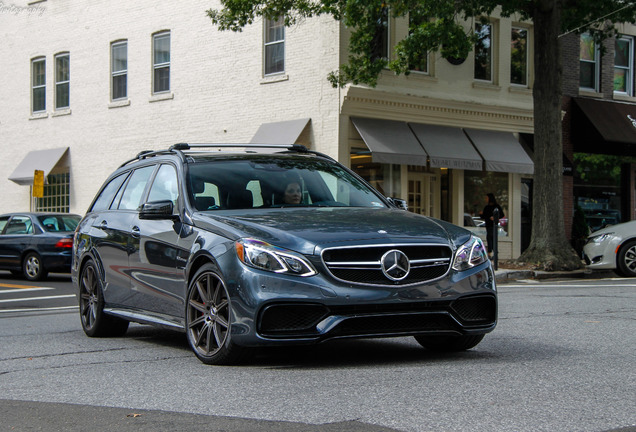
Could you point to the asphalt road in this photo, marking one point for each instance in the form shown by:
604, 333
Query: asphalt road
561, 359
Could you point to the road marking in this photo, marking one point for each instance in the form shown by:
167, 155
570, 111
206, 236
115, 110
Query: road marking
37, 298
25, 290
38, 309
5, 285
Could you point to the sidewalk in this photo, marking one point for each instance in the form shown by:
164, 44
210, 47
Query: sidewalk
503, 276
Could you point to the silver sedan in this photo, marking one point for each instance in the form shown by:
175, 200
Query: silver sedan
613, 248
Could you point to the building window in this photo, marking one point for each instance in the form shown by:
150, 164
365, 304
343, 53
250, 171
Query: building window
274, 46
519, 56
624, 65
380, 42
589, 63
38, 85
419, 61
476, 185
119, 70
62, 80
56, 194
161, 62
483, 52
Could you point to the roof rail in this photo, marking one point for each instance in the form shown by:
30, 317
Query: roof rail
188, 146
179, 148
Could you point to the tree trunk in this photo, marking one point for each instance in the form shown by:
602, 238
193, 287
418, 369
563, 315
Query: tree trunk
549, 246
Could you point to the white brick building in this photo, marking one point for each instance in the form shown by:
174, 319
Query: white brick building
218, 91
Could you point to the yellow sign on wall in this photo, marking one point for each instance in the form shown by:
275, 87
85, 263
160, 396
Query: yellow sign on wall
38, 184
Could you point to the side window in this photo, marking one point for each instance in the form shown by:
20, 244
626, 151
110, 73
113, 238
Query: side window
108, 193
165, 185
3, 222
131, 199
20, 225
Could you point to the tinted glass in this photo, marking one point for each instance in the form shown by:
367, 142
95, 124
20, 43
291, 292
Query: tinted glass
108, 192
59, 223
262, 181
135, 188
19, 225
165, 185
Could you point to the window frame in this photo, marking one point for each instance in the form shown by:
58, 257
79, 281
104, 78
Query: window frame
425, 57
115, 74
629, 69
525, 84
267, 43
491, 52
596, 62
63, 84
158, 66
41, 88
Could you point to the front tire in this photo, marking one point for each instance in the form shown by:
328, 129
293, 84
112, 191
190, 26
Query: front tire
626, 259
449, 343
95, 322
32, 267
209, 319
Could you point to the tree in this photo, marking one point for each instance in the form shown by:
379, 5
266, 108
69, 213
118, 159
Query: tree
444, 30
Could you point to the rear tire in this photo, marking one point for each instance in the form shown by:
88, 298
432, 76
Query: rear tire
626, 259
95, 322
209, 319
32, 267
449, 343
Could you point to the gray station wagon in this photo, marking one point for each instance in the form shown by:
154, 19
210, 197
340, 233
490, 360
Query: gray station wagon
272, 245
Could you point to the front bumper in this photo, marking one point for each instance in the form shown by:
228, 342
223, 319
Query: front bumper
601, 256
271, 310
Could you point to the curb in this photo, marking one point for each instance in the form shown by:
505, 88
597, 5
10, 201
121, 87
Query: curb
505, 275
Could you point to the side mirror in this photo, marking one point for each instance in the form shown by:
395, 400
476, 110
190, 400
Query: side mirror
399, 203
157, 210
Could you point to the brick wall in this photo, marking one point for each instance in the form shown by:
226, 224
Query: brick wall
218, 93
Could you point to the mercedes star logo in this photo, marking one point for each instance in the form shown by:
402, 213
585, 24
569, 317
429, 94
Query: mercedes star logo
395, 265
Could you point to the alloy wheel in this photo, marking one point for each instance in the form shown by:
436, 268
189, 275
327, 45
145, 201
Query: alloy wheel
208, 314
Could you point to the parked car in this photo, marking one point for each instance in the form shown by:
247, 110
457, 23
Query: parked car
272, 246
34, 244
613, 248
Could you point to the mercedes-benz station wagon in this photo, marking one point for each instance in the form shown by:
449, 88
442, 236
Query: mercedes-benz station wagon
272, 245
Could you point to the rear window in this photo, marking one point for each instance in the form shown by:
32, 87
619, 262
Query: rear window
59, 223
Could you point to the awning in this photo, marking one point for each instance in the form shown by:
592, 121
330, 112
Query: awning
43, 160
284, 132
447, 147
390, 141
604, 127
501, 151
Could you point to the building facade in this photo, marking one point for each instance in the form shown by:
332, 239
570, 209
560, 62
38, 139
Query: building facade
599, 131
89, 86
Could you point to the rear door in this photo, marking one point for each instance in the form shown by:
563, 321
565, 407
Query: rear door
15, 238
111, 233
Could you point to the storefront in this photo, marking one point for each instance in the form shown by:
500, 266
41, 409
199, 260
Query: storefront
444, 171
603, 134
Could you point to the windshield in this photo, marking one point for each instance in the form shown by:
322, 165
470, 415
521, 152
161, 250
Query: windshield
276, 181
59, 223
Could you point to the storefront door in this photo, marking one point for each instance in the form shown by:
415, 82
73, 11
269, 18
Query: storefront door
423, 193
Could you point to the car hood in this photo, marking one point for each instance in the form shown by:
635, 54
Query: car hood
626, 229
306, 229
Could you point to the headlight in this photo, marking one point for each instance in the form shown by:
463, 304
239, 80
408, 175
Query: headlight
264, 256
599, 238
470, 254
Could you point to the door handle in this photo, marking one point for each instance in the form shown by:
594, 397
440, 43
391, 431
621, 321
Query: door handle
135, 231
103, 224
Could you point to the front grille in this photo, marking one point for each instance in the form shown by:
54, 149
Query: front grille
475, 310
363, 264
291, 319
